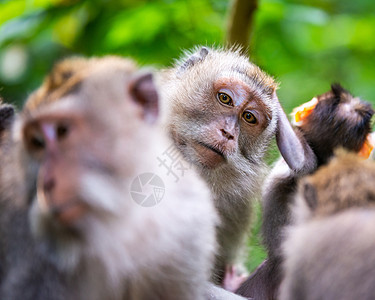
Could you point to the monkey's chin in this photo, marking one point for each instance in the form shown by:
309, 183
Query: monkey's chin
208, 156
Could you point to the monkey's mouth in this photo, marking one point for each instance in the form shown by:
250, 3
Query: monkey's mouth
61, 207
208, 155
69, 212
66, 212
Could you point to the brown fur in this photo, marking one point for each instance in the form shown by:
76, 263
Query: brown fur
329, 253
343, 184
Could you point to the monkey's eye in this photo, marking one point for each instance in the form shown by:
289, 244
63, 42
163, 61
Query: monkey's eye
62, 130
225, 99
36, 143
249, 117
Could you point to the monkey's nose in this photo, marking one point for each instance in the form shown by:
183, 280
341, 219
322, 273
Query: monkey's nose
45, 134
49, 184
227, 134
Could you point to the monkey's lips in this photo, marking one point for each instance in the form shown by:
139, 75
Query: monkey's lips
69, 212
208, 155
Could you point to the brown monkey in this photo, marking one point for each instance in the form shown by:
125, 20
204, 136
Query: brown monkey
84, 145
222, 112
330, 251
334, 119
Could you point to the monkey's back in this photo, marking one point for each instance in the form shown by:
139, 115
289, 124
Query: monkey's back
331, 258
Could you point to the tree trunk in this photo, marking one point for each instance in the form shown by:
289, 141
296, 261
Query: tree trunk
240, 23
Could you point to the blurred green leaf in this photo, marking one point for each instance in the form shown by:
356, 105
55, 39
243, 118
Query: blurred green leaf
141, 23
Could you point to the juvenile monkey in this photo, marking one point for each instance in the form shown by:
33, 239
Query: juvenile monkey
69, 228
330, 251
222, 112
334, 119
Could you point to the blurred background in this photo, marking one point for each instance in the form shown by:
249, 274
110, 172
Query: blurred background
304, 44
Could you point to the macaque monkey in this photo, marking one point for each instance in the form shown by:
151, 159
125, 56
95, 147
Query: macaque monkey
330, 251
69, 228
334, 119
222, 112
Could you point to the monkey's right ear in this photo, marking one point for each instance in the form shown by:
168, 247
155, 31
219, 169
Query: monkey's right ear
295, 150
143, 92
309, 194
197, 56
7, 113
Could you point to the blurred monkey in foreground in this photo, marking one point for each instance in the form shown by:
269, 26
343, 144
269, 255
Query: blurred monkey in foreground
330, 251
69, 228
222, 113
333, 119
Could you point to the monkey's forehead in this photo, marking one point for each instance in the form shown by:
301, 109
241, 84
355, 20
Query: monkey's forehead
207, 76
221, 60
67, 75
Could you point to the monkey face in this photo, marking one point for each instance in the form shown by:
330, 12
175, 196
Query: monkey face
85, 165
61, 142
73, 129
224, 116
83, 153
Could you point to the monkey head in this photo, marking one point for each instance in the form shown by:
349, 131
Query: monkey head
79, 135
224, 110
335, 119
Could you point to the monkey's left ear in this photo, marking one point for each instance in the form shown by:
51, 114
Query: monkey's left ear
143, 92
295, 150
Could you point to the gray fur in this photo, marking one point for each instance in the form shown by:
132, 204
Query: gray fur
331, 258
329, 251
